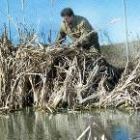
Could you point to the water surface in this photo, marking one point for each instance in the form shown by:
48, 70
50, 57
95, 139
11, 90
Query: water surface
30, 125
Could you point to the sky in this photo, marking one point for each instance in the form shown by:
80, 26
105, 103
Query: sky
106, 16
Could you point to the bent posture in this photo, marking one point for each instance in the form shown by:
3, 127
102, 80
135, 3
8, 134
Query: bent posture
77, 27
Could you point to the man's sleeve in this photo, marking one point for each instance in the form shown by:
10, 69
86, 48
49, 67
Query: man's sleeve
61, 35
86, 32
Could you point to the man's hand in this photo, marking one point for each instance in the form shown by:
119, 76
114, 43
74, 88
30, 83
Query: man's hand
58, 45
76, 45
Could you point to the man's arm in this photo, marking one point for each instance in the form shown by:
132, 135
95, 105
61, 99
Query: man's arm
86, 32
61, 36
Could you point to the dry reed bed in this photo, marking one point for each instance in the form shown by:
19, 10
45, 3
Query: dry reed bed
52, 78
127, 93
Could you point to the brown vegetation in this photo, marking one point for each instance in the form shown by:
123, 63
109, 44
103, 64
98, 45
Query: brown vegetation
52, 78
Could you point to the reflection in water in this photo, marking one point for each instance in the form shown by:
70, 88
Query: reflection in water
29, 125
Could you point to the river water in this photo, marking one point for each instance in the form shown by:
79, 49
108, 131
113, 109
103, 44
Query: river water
30, 125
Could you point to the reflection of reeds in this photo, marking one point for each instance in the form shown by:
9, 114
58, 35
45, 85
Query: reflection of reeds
94, 132
37, 125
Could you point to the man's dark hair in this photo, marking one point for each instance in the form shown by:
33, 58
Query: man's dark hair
67, 12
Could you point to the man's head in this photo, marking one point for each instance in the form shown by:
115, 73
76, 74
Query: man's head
67, 14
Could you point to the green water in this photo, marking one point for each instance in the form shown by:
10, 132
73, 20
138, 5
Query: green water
29, 125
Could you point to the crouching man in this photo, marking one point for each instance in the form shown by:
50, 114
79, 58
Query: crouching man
79, 30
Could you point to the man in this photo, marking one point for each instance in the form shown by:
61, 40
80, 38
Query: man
78, 29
